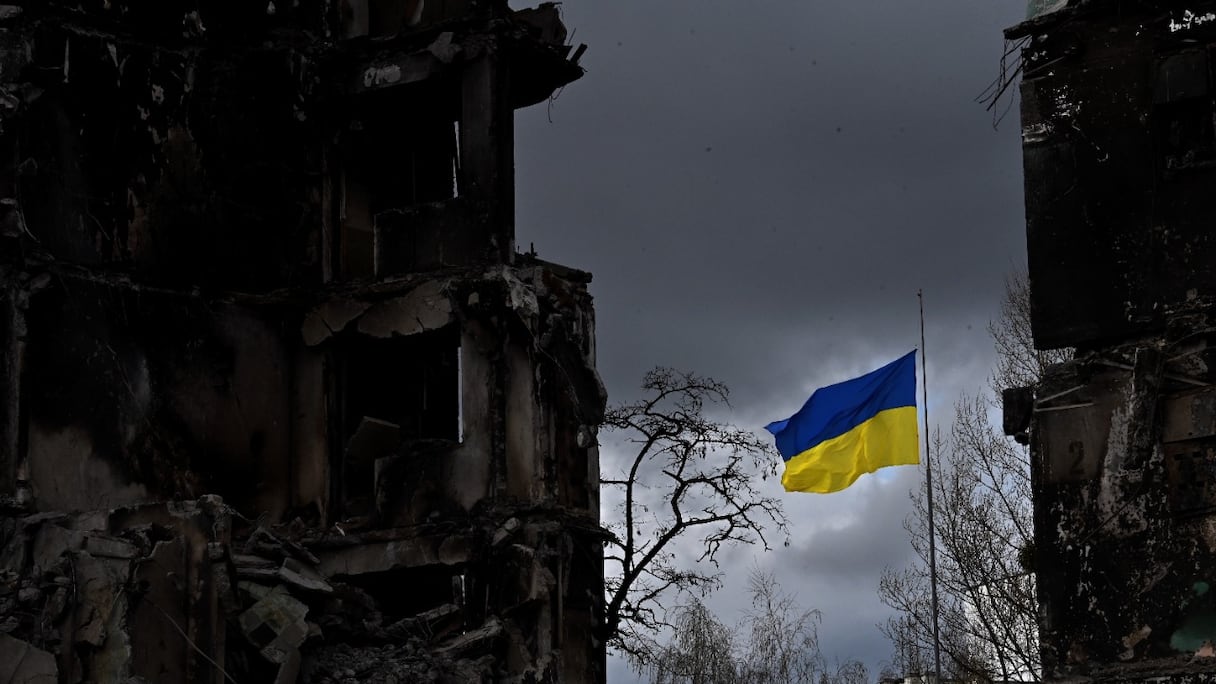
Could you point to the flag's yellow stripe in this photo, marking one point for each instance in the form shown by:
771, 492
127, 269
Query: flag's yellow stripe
889, 438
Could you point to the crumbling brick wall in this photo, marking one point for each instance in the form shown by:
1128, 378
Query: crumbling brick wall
278, 399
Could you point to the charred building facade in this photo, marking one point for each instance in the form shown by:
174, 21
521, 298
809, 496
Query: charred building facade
279, 401
1119, 140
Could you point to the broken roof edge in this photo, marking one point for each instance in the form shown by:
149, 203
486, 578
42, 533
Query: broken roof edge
1060, 11
570, 273
44, 271
431, 301
535, 39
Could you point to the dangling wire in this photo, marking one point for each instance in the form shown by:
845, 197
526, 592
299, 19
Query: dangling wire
1010, 68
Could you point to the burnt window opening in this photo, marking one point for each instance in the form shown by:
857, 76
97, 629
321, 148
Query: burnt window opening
393, 161
430, 589
1183, 129
393, 392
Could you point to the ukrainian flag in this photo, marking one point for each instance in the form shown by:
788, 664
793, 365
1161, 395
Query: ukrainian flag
851, 428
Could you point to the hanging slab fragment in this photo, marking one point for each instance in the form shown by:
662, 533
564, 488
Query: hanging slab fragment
426, 307
521, 296
329, 318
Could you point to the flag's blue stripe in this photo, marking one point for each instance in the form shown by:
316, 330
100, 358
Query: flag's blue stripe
834, 410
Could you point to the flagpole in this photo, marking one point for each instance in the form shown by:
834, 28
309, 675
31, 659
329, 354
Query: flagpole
937, 651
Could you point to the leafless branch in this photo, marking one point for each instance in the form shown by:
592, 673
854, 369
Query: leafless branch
689, 479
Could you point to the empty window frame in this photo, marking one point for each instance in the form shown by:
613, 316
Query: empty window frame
401, 150
392, 391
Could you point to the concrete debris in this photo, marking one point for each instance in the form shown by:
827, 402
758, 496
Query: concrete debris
508, 528
302, 577
391, 664
475, 642
380, 557
109, 547
434, 623
443, 48
270, 545
50, 543
289, 670
21, 663
275, 625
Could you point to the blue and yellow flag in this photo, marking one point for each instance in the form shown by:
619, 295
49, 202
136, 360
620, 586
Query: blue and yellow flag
851, 428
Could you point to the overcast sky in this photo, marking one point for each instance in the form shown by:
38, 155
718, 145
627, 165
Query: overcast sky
759, 188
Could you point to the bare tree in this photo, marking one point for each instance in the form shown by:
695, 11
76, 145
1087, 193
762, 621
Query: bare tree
775, 642
907, 651
1018, 363
701, 652
782, 638
983, 521
850, 672
986, 597
691, 482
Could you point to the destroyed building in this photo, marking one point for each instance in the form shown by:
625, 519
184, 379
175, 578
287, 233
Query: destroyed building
1119, 141
279, 400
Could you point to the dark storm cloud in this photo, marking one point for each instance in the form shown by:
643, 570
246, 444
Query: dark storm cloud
759, 188
699, 173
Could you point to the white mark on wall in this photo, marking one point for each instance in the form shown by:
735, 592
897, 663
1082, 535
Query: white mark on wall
1109, 494
158, 94
1033, 133
1190, 20
1066, 104
382, 75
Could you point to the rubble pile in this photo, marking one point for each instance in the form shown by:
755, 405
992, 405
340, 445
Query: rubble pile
194, 580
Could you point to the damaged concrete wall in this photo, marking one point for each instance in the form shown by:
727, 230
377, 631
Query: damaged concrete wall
152, 397
1119, 153
1118, 130
270, 356
1125, 534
